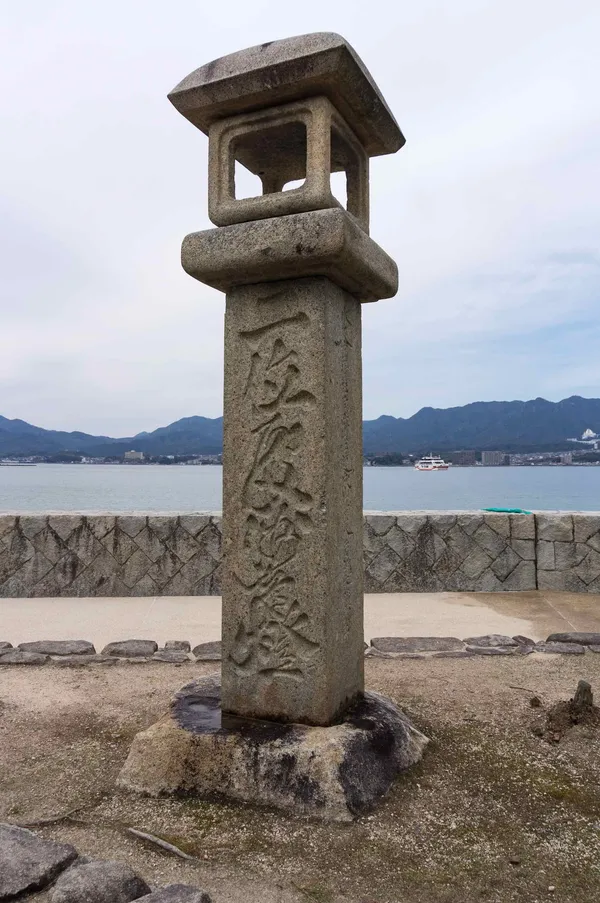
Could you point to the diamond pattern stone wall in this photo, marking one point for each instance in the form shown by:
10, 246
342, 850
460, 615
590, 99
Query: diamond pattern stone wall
568, 552
109, 555
416, 551
407, 551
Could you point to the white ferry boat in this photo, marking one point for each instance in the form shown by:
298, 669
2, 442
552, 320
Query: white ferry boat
431, 462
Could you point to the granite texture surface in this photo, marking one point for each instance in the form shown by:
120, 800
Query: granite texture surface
327, 243
406, 551
292, 502
321, 63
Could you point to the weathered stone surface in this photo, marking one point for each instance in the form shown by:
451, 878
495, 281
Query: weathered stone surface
178, 893
417, 644
371, 652
292, 586
460, 653
178, 645
490, 639
289, 70
545, 556
582, 638
131, 648
335, 773
28, 863
99, 882
522, 526
170, 656
4, 645
492, 650
331, 244
59, 647
594, 648
553, 526
208, 652
523, 640
18, 657
560, 648
81, 661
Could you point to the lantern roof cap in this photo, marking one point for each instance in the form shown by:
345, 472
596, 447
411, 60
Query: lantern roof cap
322, 63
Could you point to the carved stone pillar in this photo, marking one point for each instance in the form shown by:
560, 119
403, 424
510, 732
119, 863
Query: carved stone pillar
296, 266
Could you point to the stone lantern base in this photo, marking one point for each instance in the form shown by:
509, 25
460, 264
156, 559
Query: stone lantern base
336, 773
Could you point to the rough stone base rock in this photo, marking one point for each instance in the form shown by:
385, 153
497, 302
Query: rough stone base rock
99, 882
335, 773
29, 863
17, 657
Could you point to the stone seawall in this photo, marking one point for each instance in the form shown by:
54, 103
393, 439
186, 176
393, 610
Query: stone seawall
407, 551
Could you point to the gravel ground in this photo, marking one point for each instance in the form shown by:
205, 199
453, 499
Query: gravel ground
493, 813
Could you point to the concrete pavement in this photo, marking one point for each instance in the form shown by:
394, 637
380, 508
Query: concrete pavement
198, 618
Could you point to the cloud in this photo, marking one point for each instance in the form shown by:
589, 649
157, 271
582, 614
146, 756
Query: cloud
491, 209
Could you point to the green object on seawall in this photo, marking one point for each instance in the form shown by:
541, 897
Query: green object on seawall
508, 510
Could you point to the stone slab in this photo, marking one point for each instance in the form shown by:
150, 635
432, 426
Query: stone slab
490, 640
318, 243
335, 773
493, 650
28, 863
170, 656
208, 652
417, 644
292, 502
321, 63
99, 881
582, 638
18, 657
131, 648
59, 647
80, 661
559, 648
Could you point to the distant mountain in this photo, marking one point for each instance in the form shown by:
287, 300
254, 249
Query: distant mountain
503, 425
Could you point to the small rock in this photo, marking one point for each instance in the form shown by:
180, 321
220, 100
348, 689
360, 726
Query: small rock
521, 640
172, 656
79, 661
490, 640
178, 893
4, 645
178, 645
560, 648
131, 648
208, 652
417, 644
583, 639
492, 650
59, 647
458, 654
16, 657
99, 882
515, 860
594, 648
523, 650
535, 702
28, 863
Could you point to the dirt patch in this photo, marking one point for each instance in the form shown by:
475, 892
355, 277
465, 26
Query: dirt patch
493, 813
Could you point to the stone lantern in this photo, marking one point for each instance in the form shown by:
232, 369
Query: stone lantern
296, 267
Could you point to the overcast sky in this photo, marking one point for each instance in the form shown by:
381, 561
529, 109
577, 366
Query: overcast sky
492, 209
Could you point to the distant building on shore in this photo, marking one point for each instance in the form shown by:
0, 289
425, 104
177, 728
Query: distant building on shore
494, 458
133, 456
464, 458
